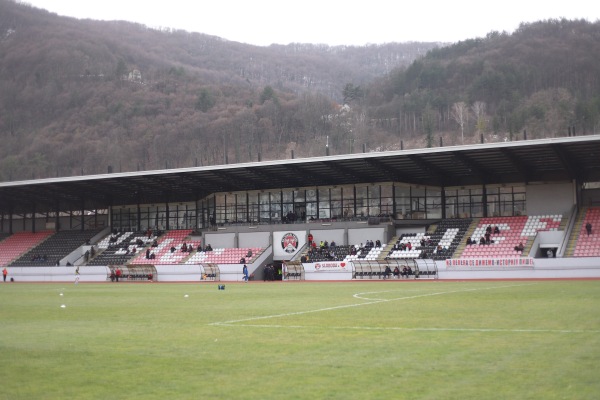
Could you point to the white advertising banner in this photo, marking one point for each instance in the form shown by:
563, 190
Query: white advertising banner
328, 270
287, 243
491, 262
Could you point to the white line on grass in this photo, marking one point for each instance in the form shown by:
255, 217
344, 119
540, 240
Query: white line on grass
359, 295
394, 328
371, 301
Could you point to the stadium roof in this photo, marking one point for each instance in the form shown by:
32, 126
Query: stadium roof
544, 160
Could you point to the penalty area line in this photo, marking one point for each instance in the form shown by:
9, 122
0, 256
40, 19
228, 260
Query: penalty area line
370, 302
395, 328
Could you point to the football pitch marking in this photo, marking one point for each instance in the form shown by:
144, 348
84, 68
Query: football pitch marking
243, 322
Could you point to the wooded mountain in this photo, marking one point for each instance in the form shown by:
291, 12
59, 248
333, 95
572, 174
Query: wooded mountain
80, 96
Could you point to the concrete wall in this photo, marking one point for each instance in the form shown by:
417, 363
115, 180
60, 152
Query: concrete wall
357, 236
337, 235
254, 239
544, 268
217, 240
554, 198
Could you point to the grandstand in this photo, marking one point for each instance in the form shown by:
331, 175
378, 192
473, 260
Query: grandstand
418, 206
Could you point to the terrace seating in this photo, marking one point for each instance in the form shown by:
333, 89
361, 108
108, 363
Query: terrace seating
372, 253
224, 256
415, 246
162, 252
55, 247
447, 235
14, 246
589, 245
339, 253
111, 250
513, 230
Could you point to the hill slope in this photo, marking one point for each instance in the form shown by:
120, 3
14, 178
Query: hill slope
83, 96
77, 96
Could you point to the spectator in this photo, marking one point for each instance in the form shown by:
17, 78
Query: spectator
245, 272
387, 272
396, 272
588, 228
519, 247
406, 271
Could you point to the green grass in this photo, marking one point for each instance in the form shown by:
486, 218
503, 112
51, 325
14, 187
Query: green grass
354, 340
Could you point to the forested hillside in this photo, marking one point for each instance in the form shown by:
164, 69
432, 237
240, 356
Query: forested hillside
80, 96
543, 81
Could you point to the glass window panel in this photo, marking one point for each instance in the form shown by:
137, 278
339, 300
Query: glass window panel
311, 210
402, 201
361, 201
336, 194
434, 203
265, 210
324, 195
299, 195
451, 207
253, 208
288, 196
276, 197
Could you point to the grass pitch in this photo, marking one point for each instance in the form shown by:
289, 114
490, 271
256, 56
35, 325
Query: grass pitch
352, 340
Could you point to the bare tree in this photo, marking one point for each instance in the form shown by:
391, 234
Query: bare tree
459, 114
479, 111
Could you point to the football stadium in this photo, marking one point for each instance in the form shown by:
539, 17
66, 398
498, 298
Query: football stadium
525, 209
451, 272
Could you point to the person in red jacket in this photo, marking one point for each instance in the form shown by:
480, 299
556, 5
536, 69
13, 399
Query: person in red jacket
4, 273
118, 274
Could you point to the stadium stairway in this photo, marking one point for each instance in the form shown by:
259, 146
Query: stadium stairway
469, 233
588, 245
388, 247
575, 232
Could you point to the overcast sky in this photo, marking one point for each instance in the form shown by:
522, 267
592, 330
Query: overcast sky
332, 22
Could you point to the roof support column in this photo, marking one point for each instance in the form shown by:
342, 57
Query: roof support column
33, 218
443, 202
57, 217
139, 217
167, 216
10, 221
82, 214
484, 201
